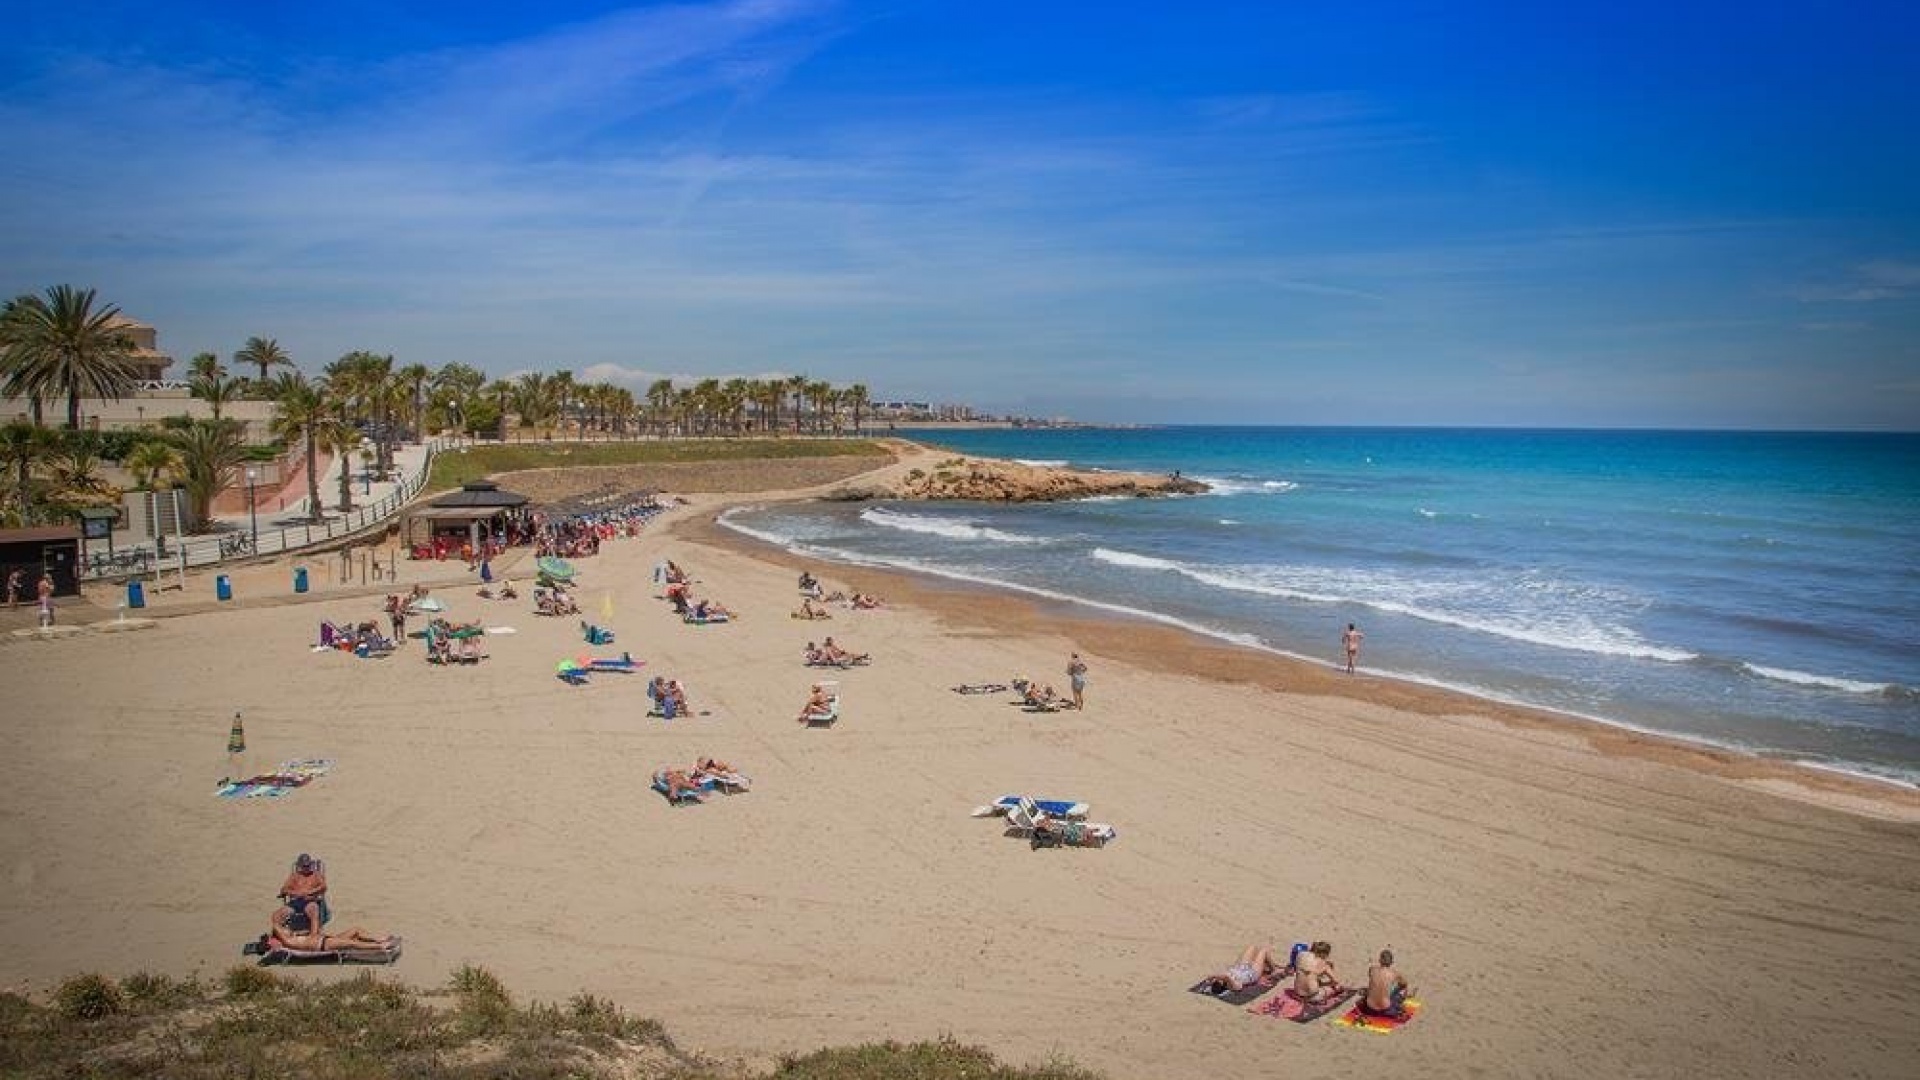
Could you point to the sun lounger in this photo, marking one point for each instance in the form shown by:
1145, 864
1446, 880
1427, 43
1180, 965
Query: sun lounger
981, 688
710, 620
1059, 808
824, 719
271, 955
1044, 831
731, 783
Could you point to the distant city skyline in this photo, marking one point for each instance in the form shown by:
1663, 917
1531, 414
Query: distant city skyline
1635, 215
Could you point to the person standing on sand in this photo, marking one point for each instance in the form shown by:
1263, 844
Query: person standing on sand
1351, 641
1077, 677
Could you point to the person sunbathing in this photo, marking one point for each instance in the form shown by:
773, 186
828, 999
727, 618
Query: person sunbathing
1256, 965
283, 934
1041, 697
834, 654
820, 705
680, 784
811, 610
863, 602
705, 610
1313, 975
1387, 990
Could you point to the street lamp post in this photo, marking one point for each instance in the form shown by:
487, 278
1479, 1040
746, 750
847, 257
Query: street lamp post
253, 507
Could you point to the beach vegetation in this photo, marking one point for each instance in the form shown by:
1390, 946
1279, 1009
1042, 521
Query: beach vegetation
457, 467
211, 452
303, 408
88, 997
253, 1022
265, 354
61, 346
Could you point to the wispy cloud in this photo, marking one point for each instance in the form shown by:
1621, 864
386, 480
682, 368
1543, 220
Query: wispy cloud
1880, 279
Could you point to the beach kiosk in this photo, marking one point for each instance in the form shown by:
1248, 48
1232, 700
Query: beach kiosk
468, 516
53, 550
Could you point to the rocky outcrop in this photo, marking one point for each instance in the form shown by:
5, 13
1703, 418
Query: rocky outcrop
991, 480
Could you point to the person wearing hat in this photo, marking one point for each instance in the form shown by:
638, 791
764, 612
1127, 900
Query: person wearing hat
305, 888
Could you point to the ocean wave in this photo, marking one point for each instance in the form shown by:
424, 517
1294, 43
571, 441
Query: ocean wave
1042, 463
1245, 485
1451, 515
943, 527
1228, 521
1557, 620
1823, 682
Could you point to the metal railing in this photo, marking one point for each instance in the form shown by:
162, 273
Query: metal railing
284, 535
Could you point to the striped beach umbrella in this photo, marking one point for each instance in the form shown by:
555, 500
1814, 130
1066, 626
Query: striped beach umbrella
237, 738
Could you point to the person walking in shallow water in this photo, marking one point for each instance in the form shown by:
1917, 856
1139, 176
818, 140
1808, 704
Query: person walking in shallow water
1351, 641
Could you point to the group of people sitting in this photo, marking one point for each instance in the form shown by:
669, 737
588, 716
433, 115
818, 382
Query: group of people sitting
813, 599
680, 595
706, 775
1035, 696
668, 696
554, 601
506, 591
361, 639
831, 655
455, 643
1314, 981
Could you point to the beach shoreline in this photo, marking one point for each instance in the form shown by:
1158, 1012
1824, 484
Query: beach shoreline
1836, 788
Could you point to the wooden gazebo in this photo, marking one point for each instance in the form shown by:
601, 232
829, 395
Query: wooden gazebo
468, 516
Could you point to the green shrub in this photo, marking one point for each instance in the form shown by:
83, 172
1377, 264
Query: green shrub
88, 997
147, 990
248, 980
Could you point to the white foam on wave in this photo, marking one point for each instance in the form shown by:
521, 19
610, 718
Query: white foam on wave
1823, 682
1042, 463
943, 527
1228, 521
1558, 623
1245, 485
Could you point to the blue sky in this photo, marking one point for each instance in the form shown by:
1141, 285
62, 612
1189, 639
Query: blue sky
1365, 213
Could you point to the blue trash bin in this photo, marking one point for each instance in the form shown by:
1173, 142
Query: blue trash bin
136, 594
299, 579
222, 588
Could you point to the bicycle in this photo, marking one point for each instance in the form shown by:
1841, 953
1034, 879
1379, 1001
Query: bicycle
238, 544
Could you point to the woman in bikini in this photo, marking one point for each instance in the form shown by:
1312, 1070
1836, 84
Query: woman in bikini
1256, 965
285, 936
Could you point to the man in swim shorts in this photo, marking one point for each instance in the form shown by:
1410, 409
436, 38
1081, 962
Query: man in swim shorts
1387, 990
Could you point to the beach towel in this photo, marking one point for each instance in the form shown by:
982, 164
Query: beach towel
703, 787
290, 775
1285, 1006
1379, 1025
981, 688
1219, 990
711, 620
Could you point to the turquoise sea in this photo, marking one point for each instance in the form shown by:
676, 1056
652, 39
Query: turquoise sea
1752, 590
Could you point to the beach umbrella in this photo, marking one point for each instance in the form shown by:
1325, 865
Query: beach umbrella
606, 606
237, 738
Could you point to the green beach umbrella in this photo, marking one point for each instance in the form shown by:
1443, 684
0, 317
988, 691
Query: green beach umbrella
237, 738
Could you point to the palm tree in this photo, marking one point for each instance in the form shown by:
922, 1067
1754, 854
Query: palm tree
500, 392
211, 452
857, 398
534, 398
302, 409
59, 345
205, 364
797, 386
23, 448
340, 439
660, 403
76, 468
415, 378
153, 464
264, 353
820, 396
217, 390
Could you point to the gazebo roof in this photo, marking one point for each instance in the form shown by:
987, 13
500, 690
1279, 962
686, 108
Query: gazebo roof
480, 495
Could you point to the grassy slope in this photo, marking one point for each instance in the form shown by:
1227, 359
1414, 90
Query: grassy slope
454, 468
259, 1023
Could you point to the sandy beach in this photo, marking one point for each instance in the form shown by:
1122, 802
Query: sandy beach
1569, 900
